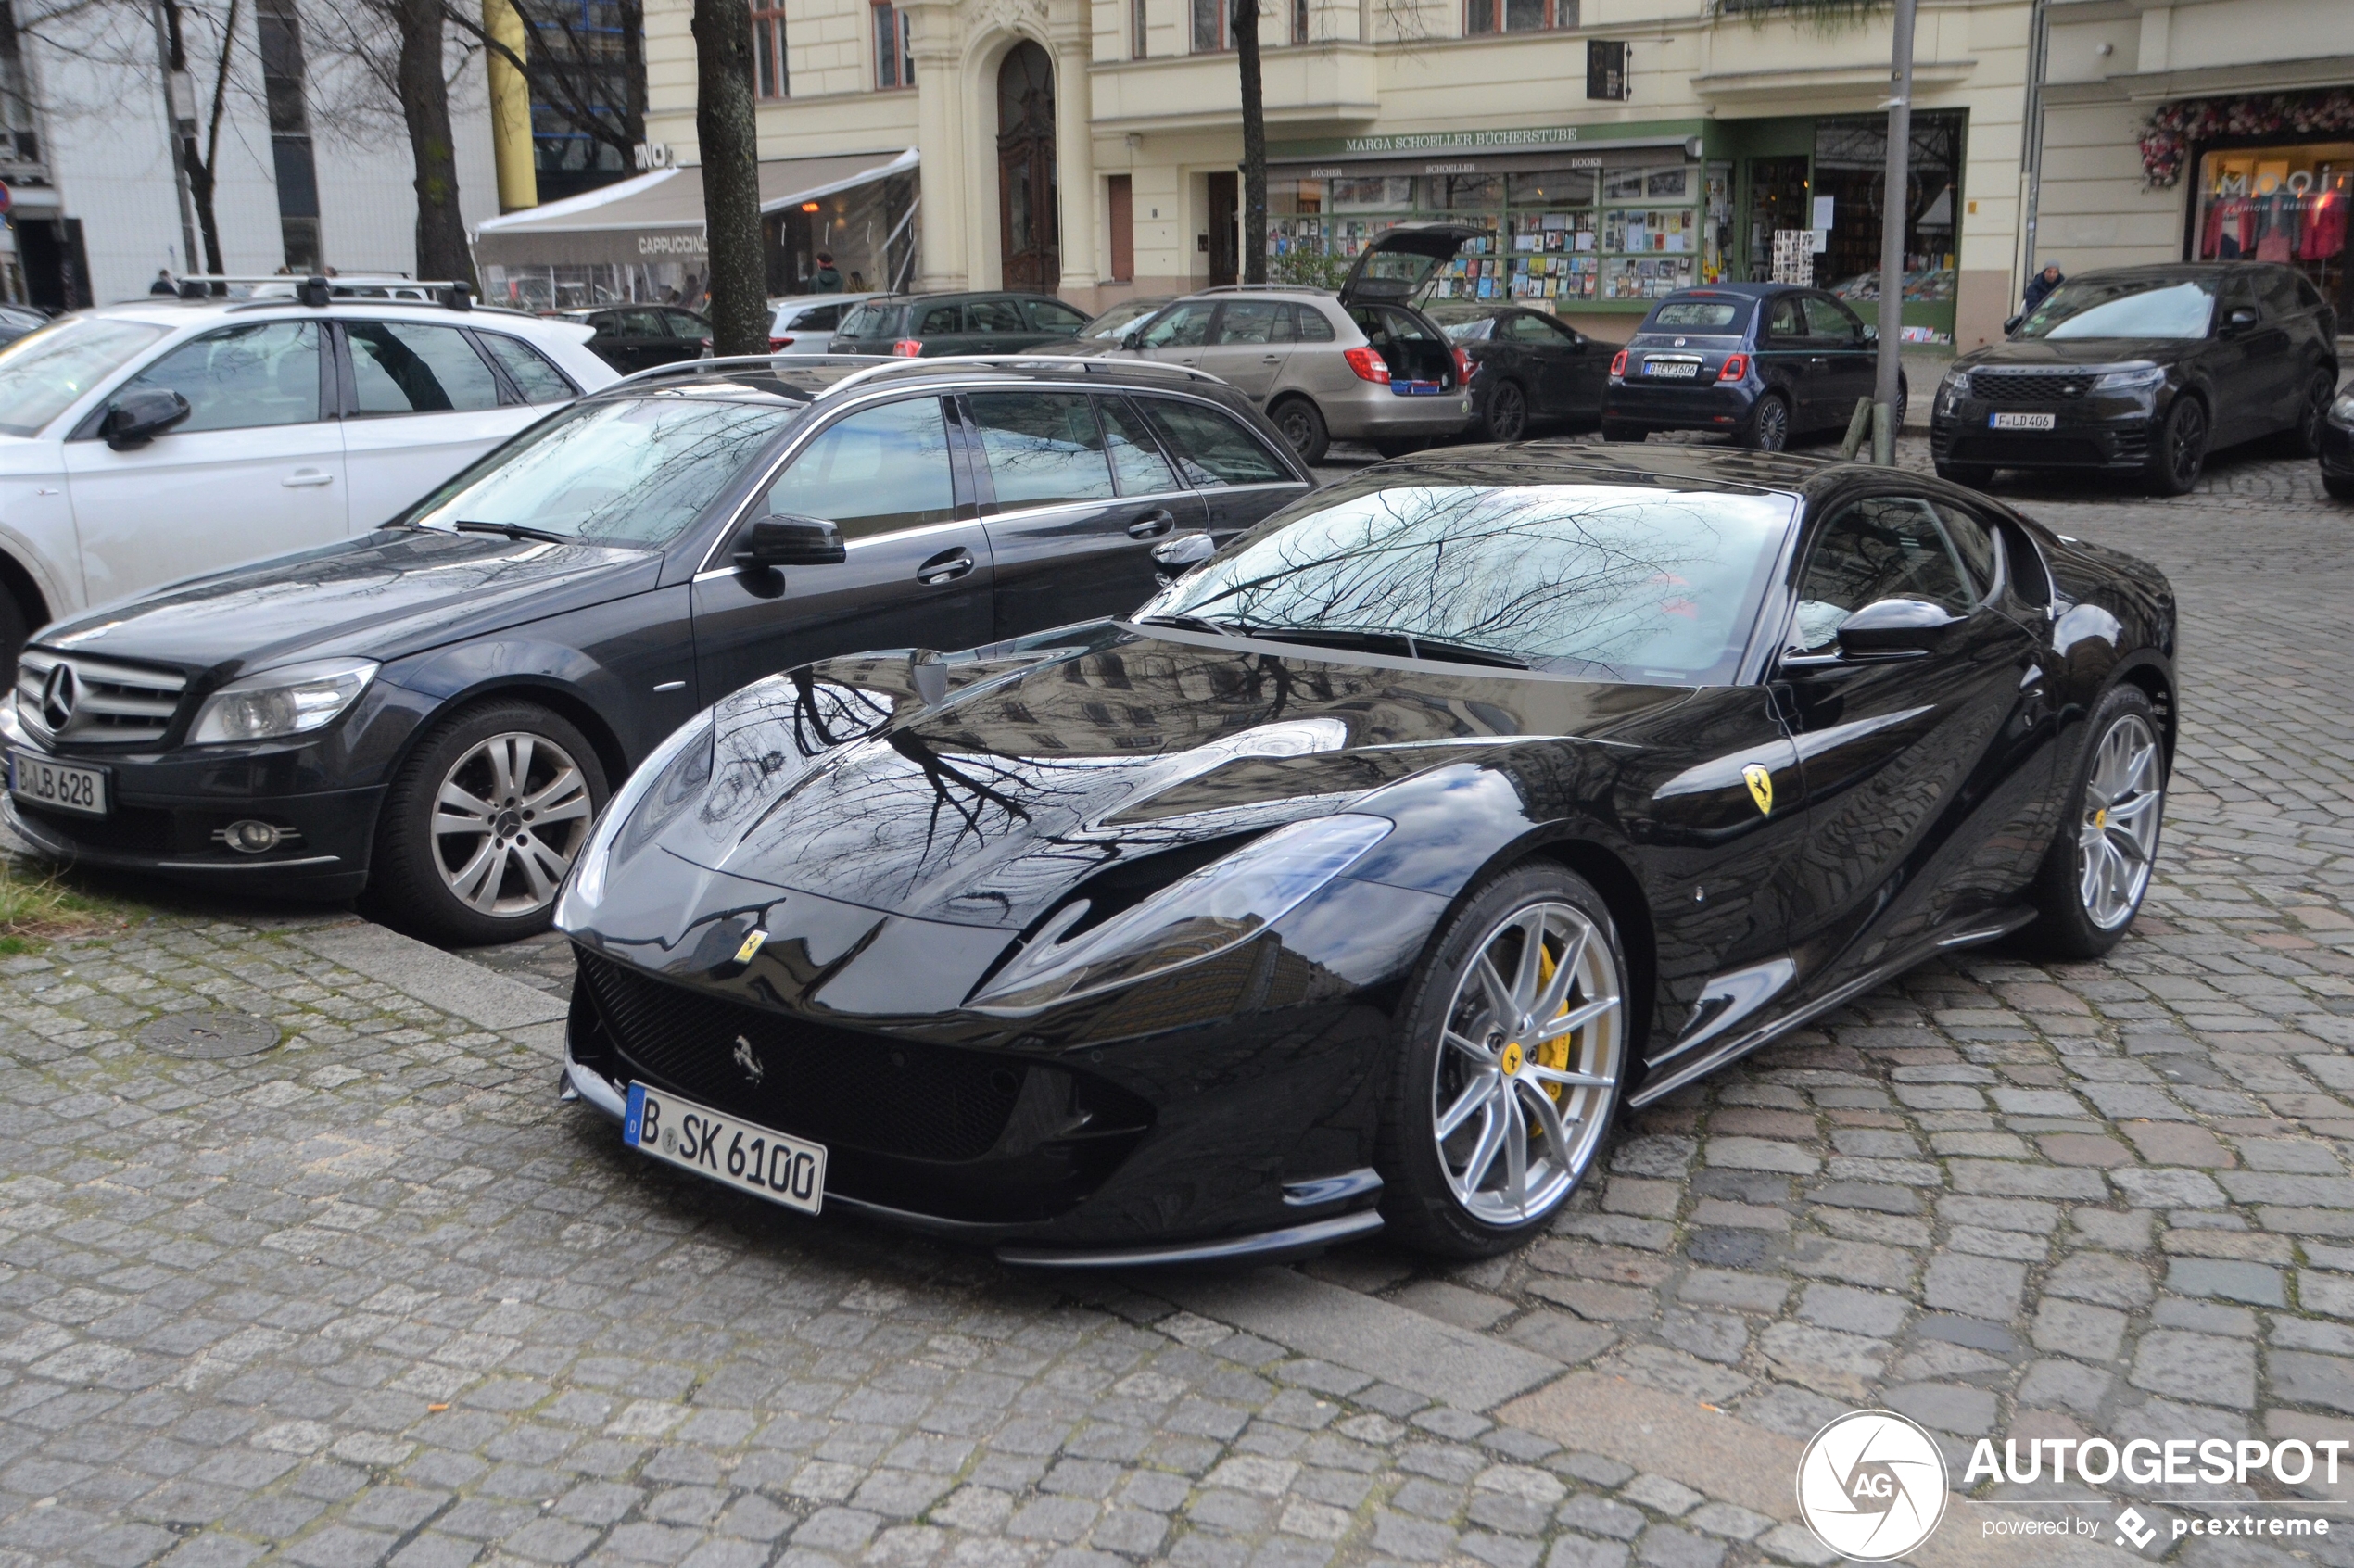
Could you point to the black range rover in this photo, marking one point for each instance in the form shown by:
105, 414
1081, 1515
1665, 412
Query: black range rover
2144, 370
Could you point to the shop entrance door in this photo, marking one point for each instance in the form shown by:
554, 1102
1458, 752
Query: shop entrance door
1026, 204
1225, 252
1777, 200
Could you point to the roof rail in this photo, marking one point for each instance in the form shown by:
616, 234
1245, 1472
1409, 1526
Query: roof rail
876, 366
317, 290
681, 369
1265, 288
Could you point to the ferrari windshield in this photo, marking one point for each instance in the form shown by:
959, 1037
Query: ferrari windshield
628, 470
2178, 307
1612, 582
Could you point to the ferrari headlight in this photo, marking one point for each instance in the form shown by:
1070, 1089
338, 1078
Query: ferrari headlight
2342, 411
291, 701
675, 769
2130, 378
1205, 912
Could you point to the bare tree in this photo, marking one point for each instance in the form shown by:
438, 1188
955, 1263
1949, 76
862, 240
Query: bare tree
592, 78
392, 61
728, 132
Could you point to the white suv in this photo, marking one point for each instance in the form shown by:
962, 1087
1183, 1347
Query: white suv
145, 442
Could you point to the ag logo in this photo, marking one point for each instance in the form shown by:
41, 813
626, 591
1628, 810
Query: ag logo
1871, 1485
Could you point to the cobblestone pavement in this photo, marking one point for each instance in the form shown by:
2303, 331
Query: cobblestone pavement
371, 1295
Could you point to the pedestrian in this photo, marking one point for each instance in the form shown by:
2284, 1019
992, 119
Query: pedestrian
824, 280
163, 283
2042, 283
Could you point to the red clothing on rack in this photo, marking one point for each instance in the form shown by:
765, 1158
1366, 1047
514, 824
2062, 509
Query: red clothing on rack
2325, 228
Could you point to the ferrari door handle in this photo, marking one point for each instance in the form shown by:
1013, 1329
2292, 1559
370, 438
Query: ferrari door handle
1152, 525
945, 567
305, 476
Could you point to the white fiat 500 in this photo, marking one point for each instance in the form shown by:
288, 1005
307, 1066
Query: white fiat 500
145, 442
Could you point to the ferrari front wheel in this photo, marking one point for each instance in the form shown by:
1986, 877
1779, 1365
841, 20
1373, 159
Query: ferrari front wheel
2098, 868
1511, 1049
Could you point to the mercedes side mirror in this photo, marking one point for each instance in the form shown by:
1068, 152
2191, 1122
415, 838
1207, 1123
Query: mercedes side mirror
2239, 318
782, 540
141, 414
1894, 628
1178, 556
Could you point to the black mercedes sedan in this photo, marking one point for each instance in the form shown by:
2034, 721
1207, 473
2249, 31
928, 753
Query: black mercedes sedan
2143, 371
1768, 364
435, 711
1360, 877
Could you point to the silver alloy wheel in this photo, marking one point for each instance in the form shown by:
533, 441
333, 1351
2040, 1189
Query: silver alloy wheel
507, 821
1523, 1093
1771, 424
2116, 839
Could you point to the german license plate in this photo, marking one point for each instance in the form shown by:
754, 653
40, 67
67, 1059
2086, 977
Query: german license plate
1684, 370
2022, 421
60, 786
734, 1153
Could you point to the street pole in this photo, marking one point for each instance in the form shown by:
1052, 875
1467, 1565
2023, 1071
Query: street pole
189, 262
1894, 207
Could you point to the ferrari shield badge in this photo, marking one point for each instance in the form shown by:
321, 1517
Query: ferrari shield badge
1761, 786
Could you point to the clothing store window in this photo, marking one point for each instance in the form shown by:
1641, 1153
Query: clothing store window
2279, 204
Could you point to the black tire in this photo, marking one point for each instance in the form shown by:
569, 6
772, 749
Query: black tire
13, 633
1621, 433
2179, 453
1421, 1201
1399, 446
2341, 487
2304, 439
1506, 416
410, 878
2065, 926
1972, 476
1301, 423
1768, 428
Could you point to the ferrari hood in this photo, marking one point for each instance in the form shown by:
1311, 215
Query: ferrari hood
1023, 776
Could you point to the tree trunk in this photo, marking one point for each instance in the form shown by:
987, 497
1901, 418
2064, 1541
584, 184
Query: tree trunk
424, 99
192, 159
726, 127
633, 60
1254, 234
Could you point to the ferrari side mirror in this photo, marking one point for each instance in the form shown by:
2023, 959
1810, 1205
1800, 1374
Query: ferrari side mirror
1900, 629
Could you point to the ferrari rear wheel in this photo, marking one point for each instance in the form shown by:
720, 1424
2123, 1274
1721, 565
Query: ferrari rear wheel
2098, 869
1512, 1049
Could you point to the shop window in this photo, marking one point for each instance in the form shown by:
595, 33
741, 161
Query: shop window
1518, 15
894, 46
770, 77
1137, 23
1850, 168
1209, 27
1606, 69
2284, 204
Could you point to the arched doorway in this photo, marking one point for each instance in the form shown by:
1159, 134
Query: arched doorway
1027, 203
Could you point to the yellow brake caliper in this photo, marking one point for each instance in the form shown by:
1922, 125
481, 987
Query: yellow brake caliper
1553, 1053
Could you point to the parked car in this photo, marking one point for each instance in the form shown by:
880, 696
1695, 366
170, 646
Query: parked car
1769, 364
1364, 365
805, 324
2143, 370
1358, 879
634, 337
2337, 448
931, 325
1527, 367
17, 320
436, 711
1113, 323
150, 440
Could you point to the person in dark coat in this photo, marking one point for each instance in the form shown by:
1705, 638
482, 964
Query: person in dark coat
163, 283
2042, 283
826, 279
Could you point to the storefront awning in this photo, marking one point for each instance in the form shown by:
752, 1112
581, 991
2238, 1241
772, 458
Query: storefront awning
659, 217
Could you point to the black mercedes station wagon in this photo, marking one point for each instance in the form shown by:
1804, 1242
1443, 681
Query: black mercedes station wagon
437, 709
2143, 371
1765, 363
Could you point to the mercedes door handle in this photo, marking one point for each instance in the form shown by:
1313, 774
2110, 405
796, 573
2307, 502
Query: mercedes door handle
1271, 359
304, 476
1152, 525
945, 567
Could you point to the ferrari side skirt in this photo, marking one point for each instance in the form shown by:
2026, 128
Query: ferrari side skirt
1969, 934
1267, 1247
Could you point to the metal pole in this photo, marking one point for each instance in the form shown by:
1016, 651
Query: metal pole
188, 259
1894, 207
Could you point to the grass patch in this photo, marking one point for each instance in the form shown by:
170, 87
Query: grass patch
37, 905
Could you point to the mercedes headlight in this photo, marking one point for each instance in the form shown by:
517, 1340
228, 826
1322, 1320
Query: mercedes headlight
293, 700
1193, 918
2342, 411
677, 769
2130, 378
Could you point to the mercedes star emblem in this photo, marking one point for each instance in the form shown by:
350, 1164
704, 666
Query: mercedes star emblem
58, 696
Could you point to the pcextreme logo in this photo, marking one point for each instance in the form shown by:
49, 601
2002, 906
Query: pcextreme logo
1871, 1485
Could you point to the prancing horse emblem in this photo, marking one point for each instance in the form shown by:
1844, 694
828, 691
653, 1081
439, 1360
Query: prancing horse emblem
1761, 786
753, 1068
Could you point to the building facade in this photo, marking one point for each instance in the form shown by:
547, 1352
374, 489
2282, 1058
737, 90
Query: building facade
1611, 150
2202, 129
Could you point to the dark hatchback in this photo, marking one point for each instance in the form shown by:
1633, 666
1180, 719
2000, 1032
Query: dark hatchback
1767, 363
636, 337
1528, 368
2143, 371
436, 710
930, 326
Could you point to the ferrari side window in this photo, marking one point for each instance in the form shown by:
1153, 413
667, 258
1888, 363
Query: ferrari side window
1974, 542
1888, 547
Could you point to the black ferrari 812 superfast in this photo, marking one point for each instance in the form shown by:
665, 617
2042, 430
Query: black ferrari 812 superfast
1370, 870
